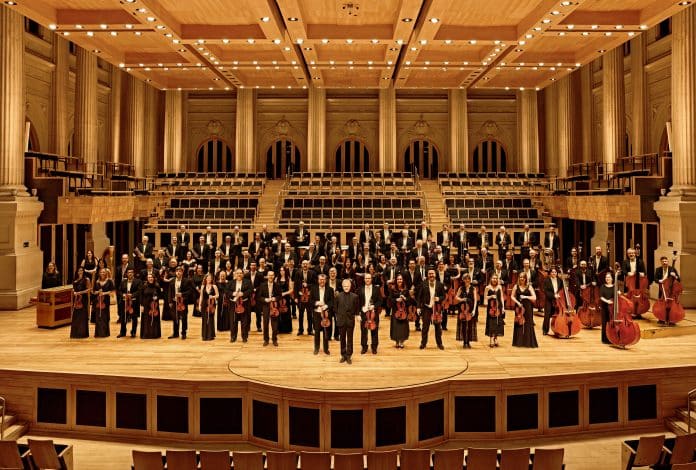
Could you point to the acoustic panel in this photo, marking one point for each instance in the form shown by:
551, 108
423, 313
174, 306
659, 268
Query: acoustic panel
604, 405
390, 426
431, 419
172, 414
220, 415
304, 426
90, 408
564, 408
346, 429
52, 405
474, 414
522, 412
642, 402
131, 411
265, 420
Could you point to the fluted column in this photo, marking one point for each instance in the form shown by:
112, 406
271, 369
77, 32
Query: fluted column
11, 101
684, 102
528, 143
459, 130
387, 129
565, 125
316, 129
613, 105
551, 126
59, 92
86, 125
639, 95
133, 129
246, 118
115, 113
586, 108
152, 117
173, 131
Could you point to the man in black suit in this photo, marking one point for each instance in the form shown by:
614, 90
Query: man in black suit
202, 252
366, 236
241, 290
599, 262
210, 238
632, 265
370, 303
504, 242
174, 250
424, 233
322, 267
119, 276
346, 307
461, 240
552, 290
141, 253
183, 238
483, 239
419, 250
130, 285
354, 249
257, 246
552, 242
181, 289
431, 293
444, 238
237, 243
387, 234
269, 292
305, 278
301, 235
255, 277
265, 235
527, 242
227, 250
322, 298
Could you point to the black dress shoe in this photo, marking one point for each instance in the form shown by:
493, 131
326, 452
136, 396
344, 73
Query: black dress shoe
374, 350
173, 336
348, 360
422, 346
232, 340
316, 351
258, 329
418, 328
183, 336
326, 351
244, 340
343, 359
265, 343
363, 350
440, 347
300, 333
120, 336
132, 335
275, 343
444, 328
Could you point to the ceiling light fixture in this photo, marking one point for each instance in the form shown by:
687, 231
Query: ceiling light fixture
114, 33
251, 41
434, 20
472, 41
448, 41
349, 41
585, 33
90, 33
276, 41
265, 19
151, 19
407, 20
292, 18
375, 41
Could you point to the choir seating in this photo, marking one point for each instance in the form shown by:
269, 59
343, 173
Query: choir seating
45, 455
14, 456
644, 452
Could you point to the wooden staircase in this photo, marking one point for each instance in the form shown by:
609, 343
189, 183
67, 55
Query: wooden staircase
678, 423
266, 209
12, 428
436, 209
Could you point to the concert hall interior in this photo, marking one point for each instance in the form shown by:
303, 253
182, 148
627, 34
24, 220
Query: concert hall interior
341, 234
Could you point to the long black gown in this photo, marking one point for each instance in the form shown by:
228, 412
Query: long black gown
285, 318
606, 292
524, 335
208, 322
101, 313
223, 312
150, 326
466, 330
79, 326
399, 329
495, 326
197, 282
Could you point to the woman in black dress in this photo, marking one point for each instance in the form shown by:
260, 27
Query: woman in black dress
524, 297
223, 308
90, 265
466, 299
495, 313
197, 282
149, 303
348, 273
399, 329
101, 297
168, 276
207, 303
51, 277
79, 327
286, 287
189, 264
606, 295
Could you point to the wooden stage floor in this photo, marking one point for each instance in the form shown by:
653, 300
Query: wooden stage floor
23, 346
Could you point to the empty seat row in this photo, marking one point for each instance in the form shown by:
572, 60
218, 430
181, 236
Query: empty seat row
209, 214
473, 203
204, 203
354, 216
656, 452
36, 454
193, 174
350, 203
503, 214
174, 224
490, 175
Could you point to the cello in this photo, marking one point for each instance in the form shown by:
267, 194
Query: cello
637, 290
565, 322
621, 329
667, 309
509, 302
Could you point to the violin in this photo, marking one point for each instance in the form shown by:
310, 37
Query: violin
400, 313
180, 305
437, 313
621, 329
128, 298
565, 322
100, 301
239, 304
519, 311
211, 306
412, 314
370, 321
282, 306
637, 290
154, 307
668, 309
465, 313
77, 303
304, 296
325, 320
493, 310
274, 310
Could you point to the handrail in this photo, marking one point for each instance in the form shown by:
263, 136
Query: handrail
688, 408
2, 418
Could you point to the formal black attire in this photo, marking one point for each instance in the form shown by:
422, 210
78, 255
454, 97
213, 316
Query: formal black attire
317, 312
187, 291
550, 307
495, 326
50, 280
346, 307
524, 335
202, 253
304, 280
424, 302
606, 293
285, 319
663, 273
150, 327
224, 305
134, 290
197, 283
301, 238
552, 244
100, 314
376, 302
504, 243
264, 294
208, 320
399, 329
254, 306
146, 252
527, 242
79, 325
244, 286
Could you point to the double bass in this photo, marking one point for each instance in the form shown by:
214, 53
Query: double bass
667, 309
637, 290
621, 329
565, 322
589, 313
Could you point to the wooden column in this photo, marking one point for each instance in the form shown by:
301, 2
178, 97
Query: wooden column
246, 119
387, 130
115, 113
133, 144
528, 115
613, 105
173, 131
59, 92
551, 125
86, 114
639, 95
316, 129
586, 112
459, 130
565, 125
152, 137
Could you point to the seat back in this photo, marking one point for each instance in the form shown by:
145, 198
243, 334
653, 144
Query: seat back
414, 459
481, 459
181, 460
448, 459
44, 454
684, 466
348, 462
281, 460
144, 460
9, 456
215, 460
514, 459
649, 450
247, 460
314, 461
548, 459
382, 460
684, 447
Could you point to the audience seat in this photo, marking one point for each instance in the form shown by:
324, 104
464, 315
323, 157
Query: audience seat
644, 452
144, 460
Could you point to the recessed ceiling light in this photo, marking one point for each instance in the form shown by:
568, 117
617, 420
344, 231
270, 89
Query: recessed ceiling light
562, 33
276, 41
602, 51
608, 33
631, 33
423, 42
555, 12
375, 41
566, 3
324, 41
585, 33
168, 35
414, 49
434, 20
644, 26
265, 19
307, 48
349, 41
618, 26
52, 27
684, 4
161, 26
151, 19
300, 40
201, 41
522, 43
407, 20
537, 28
472, 41
128, 26
570, 26
250, 41
10, 3
292, 18
399, 41
66, 33
138, 33
594, 26
130, 1
546, 21
78, 26
90, 33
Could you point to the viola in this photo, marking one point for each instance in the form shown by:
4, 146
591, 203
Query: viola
283, 305
239, 304
274, 310
100, 301
211, 306
519, 315
77, 303
225, 301
493, 310
412, 314
304, 296
128, 298
252, 299
565, 322
325, 320
370, 320
154, 307
437, 313
621, 330
400, 313
465, 314
509, 302
668, 309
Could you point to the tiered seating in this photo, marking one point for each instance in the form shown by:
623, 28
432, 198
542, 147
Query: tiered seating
38, 454
349, 202
492, 202
659, 453
200, 201
406, 459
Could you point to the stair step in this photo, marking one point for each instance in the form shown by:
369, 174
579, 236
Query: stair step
682, 415
15, 431
676, 426
9, 421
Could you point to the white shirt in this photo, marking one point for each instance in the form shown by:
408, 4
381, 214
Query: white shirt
424, 233
177, 286
321, 295
238, 286
554, 283
432, 294
128, 286
368, 295
633, 265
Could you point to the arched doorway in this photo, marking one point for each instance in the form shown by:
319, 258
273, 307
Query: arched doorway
489, 156
214, 156
282, 156
352, 156
422, 156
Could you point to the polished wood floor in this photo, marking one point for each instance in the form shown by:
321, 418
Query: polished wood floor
23, 346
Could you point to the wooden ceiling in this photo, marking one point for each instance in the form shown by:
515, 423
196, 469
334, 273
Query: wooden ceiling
222, 44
